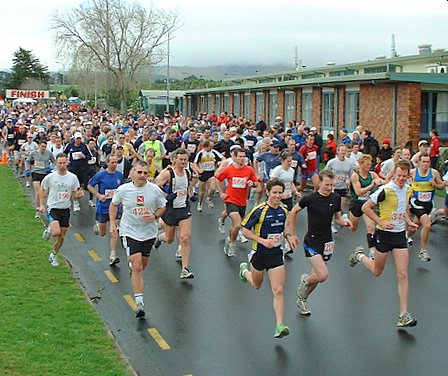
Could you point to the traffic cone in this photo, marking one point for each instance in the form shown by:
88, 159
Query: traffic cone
4, 158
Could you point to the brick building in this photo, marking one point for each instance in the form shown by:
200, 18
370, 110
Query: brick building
402, 98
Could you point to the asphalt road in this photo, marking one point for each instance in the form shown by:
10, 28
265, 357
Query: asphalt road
216, 325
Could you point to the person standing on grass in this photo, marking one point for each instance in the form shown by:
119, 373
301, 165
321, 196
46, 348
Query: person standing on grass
143, 204
265, 225
59, 186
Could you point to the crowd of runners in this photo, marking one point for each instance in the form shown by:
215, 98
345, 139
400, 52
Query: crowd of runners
145, 175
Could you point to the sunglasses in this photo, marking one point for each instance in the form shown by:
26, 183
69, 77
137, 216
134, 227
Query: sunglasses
142, 172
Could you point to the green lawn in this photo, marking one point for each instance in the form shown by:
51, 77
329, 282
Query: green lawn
47, 325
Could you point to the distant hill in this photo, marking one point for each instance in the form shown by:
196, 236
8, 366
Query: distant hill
220, 72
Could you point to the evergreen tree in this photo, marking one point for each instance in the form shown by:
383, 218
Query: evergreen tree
27, 66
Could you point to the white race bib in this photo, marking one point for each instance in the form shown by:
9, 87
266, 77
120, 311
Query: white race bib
64, 196
39, 164
239, 182
277, 238
109, 193
312, 155
180, 200
424, 196
140, 211
328, 248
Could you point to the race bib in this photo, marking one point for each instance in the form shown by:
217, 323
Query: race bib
340, 178
424, 196
328, 248
397, 217
191, 148
140, 211
364, 196
63, 196
39, 164
109, 193
287, 193
21, 142
250, 143
312, 155
77, 155
293, 163
239, 182
208, 165
277, 238
180, 200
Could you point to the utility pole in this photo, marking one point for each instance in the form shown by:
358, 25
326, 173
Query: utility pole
168, 75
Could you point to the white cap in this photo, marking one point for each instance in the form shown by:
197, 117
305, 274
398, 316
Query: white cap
78, 135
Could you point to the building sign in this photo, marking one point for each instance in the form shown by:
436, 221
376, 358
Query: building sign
33, 94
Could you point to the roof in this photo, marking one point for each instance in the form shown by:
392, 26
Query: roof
161, 93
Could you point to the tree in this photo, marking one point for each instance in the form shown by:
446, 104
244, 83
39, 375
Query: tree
28, 71
114, 37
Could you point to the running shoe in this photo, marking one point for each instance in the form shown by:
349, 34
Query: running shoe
186, 274
130, 268
231, 250
210, 203
287, 249
333, 229
354, 257
47, 233
371, 255
178, 253
281, 330
27, 184
226, 246
405, 319
410, 241
302, 289
199, 207
53, 259
37, 214
157, 243
244, 267
303, 307
92, 203
76, 206
140, 310
241, 237
221, 226
424, 255
113, 260
96, 228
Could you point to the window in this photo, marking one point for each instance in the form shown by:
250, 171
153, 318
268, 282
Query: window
434, 114
218, 104
226, 103
236, 104
272, 107
381, 69
307, 108
209, 104
247, 106
290, 109
327, 111
259, 104
202, 109
345, 72
351, 109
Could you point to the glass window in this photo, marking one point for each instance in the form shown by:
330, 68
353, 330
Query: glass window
307, 108
226, 103
202, 109
327, 110
434, 114
289, 106
272, 108
259, 104
218, 104
351, 109
247, 106
236, 104
209, 104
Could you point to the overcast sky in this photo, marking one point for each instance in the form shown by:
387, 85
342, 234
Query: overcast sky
261, 32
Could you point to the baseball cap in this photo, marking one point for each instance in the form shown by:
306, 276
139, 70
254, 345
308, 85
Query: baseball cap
78, 135
344, 130
422, 142
119, 147
313, 129
274, 142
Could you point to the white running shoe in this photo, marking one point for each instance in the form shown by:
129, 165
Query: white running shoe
47, 233
241, 237
410, 241
210, 203
199, 207
76, 206
92, 203
333, 229
221, 227
53, 259
178, 253
27, 184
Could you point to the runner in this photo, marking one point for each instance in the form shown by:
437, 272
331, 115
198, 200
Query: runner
425, 180
268, 222
43, 162
143, 204
318, 244
175, 181
309, 152
107, 181
390, 235
239, 178
205, 162
59, 186
25, 150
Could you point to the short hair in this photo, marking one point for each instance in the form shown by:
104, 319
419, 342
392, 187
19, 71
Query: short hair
423, 155
43, 141
237, 150
326, 174
404, 164
180, 151
341, 145
330, 136
365, 157
109, 156
61, 155
140, 163
274, 182
207, 143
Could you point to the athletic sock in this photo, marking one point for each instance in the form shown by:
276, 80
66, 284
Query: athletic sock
138, 298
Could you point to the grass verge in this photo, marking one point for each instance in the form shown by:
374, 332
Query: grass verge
47, 325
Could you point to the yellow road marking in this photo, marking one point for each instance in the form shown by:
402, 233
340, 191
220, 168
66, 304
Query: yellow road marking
79, 237
154, 333
130, 301
111, 277
94, 255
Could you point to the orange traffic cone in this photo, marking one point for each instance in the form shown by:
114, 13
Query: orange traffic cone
4, 158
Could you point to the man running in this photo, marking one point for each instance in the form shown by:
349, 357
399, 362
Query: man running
390, 235
59, 186
239, 177
264, 225
322, 207
143, 204
107, 181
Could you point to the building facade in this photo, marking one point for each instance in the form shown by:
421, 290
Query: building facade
401, 98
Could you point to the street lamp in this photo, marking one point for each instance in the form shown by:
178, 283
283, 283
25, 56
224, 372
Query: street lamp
168, 75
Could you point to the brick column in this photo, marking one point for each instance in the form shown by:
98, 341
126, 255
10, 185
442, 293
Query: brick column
253, 100
231, 109
281, 103
409, 96
341, 116
316, 116
298, 106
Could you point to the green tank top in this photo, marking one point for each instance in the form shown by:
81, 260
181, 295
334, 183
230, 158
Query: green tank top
365, 182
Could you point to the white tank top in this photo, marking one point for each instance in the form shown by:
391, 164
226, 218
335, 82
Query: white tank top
180, 186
